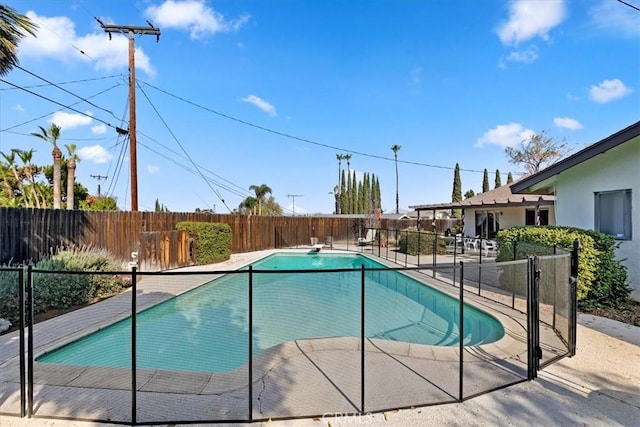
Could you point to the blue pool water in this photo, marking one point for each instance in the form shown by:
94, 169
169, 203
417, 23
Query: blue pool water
206, 329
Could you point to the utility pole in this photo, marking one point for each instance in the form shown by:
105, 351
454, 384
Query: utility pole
293, 196
99, 178
130, 31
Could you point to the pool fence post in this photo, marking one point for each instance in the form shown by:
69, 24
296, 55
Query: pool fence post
455, 250
461, 334
134, 290
362, 337
419, 249
250, 343
23, 380
29, 341
406, 250
573, 292
435, 249
480, 268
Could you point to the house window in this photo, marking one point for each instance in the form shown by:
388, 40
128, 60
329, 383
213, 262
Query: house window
530, 217
487, 224
613, 213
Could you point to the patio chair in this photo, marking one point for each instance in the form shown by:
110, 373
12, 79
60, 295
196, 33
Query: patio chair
489, 245
368, 239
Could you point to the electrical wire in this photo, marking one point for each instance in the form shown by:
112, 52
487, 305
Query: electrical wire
60, 104
305, 140
66, 91
630, 5
59, 109
240, 189
216, 192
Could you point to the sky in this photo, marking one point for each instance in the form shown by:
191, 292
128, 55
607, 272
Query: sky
238, 93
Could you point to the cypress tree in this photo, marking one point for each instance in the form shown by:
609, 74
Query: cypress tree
456, 194
354, 194
343, 193
485, 182
509, 179
349, 197
498, 182
378, 194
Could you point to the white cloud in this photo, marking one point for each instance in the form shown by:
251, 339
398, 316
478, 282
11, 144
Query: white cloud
99, 129
95, 153
508, 135
608, 90
526, 56
530, 19
56, 39
567, 123
261, 104
615, 18
153, 169
70, 121
18, 107
194, 16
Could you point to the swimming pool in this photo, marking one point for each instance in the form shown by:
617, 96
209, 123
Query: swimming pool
207, 328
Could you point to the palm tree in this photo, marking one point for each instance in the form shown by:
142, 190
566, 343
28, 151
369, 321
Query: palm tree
52, 136
12, 171
336, 192
347, 157
261, 191
247, 205
13, 27
71, 174
395, 148
29, 171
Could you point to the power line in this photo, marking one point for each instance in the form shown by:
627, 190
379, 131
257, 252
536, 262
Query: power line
305, 140
66, 83
216, 192
65, 90
59, 109
293, 198
61, 104
630, 5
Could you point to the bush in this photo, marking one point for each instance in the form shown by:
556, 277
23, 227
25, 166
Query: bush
211, 241
602, 280
411, 240
53, 290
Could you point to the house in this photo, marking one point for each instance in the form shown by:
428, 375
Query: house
485, 214
598, 188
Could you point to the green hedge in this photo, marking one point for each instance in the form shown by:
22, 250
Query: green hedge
211, 240
410, 237
602, 280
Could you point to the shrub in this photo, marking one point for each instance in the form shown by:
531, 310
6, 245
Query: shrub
9, 297
411, 240
59, 289
211, 241
602, 280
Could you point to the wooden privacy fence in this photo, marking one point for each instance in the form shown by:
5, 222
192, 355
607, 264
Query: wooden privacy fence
163, 250
27, 235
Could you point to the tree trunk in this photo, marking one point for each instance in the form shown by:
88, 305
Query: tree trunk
71, 178
57, 160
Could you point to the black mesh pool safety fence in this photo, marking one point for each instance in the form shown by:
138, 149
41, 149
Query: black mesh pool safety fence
253, 344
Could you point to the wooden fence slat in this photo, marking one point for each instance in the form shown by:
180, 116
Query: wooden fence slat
30, 234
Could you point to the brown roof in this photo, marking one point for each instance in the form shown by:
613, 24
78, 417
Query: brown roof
499, 197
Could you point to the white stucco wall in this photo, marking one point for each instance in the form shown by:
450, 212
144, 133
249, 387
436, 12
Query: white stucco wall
509, 217
616, 169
